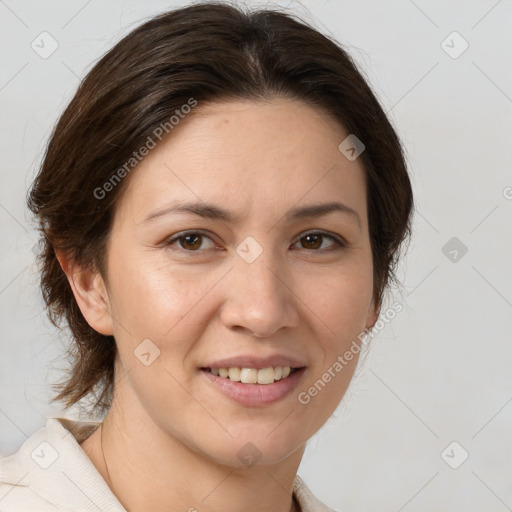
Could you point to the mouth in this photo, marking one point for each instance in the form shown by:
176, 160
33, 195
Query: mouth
263, 376
253, 387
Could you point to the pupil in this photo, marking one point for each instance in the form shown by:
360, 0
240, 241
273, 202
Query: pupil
312, 240
187, 237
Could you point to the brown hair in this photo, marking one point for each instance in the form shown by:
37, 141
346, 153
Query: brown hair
206, 51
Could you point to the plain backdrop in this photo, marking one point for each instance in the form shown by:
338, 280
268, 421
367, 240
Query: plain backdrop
436, 384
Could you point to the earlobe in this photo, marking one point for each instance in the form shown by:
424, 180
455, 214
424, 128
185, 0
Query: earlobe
373, 316
90, 294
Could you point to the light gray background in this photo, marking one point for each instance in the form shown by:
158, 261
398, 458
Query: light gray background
440, 371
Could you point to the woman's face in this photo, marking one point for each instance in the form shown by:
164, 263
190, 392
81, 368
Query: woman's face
246, 287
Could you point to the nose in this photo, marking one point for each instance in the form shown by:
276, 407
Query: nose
259, 297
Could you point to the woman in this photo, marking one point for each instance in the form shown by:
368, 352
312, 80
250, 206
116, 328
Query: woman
222, 206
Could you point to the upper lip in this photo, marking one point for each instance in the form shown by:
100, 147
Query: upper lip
249, 361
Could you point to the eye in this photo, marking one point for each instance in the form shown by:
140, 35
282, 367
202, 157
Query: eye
314, 240
189, 241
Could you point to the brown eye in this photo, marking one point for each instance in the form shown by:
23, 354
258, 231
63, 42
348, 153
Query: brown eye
314, 241
189, 242
192, 241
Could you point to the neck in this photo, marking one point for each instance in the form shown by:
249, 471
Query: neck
149, 470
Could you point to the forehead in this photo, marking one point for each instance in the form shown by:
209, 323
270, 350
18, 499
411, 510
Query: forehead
247, 155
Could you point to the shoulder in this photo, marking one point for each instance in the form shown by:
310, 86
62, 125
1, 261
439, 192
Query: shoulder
19, 498
17, 494
24, 472
51, 472
307, 501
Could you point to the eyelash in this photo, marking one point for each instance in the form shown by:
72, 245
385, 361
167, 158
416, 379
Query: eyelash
339, 244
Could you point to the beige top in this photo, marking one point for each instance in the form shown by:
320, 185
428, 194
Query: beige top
52, 472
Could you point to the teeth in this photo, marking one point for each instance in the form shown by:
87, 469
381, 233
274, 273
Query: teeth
248, 375
266, 375
234, 374
252, 375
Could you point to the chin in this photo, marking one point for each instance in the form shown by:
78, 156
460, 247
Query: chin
265, 445
251, 454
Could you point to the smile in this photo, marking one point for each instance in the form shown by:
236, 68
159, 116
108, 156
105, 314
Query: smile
252, 387
267, 375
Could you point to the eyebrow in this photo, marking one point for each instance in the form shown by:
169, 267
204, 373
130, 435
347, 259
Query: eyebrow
212, 211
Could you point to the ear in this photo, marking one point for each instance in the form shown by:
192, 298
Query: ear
90, 294
373, 315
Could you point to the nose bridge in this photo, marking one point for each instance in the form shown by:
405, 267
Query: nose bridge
258, 267
260, 274
257, 298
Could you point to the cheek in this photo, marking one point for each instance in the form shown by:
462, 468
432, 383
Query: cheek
339, 309
342, 301
151, 298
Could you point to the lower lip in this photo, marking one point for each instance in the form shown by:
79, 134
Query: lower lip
254, 395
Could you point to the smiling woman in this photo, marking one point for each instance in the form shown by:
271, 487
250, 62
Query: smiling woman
242, 247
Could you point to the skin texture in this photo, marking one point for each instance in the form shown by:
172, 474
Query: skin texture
170, 439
